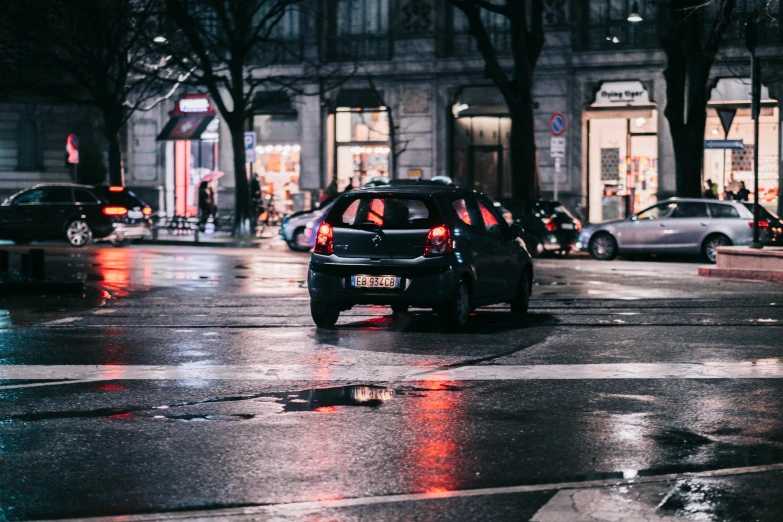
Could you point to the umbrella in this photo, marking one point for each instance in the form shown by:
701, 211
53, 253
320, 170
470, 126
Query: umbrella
215, 174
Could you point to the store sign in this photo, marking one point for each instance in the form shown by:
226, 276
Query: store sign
622, 93
194, 104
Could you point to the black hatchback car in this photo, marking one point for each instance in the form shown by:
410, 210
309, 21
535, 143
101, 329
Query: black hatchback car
550, 228
428, 246
76, 213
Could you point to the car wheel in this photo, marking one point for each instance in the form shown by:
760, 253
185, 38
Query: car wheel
710, 247
399, 309
533, 245
78, 233
300, 241
603, 247
324, 314
457, 310
521, 302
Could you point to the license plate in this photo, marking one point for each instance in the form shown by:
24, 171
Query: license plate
567, 226
369, 281
135, 214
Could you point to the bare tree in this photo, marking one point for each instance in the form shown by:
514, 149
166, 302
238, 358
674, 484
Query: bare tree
525, 22
83, 51
227, 46
695, 30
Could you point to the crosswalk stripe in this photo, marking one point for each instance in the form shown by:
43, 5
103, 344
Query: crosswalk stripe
753, 369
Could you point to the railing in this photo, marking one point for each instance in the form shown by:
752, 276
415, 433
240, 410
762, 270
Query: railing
619, 34
364, 47
464, 44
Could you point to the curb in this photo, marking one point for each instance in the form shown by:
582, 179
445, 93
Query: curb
774, 276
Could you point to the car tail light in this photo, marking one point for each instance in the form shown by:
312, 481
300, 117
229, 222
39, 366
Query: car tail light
762, 224
147, 211
438, 242
116, 189
551, 226
324, 241
578, 225
115, 211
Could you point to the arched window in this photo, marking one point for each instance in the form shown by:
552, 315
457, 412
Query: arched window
28, 147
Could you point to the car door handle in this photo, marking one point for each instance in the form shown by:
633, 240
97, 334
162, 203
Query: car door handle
703, 224
662, 225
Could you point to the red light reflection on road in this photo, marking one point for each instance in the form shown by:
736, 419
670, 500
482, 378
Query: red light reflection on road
110, 387
115, 268
435, 454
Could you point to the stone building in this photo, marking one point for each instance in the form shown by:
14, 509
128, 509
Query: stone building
419, 105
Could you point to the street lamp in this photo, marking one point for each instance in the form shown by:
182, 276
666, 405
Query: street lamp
160, 39
635, 17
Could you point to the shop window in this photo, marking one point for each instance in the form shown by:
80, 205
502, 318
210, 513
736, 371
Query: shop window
28, 149
362, 126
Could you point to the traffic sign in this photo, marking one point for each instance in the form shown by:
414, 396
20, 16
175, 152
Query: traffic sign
557, 124
557, 146
250, 147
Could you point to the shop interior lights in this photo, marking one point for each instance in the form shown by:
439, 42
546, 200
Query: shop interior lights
370, 150
282, 148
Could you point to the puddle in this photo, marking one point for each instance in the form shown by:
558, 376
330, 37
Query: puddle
315, 399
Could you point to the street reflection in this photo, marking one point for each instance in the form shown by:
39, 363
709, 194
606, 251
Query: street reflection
435, 454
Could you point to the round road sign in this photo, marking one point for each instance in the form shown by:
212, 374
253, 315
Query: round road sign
557, 124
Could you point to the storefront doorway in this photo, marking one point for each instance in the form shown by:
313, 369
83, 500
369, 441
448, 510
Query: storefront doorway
622, 162
484, 169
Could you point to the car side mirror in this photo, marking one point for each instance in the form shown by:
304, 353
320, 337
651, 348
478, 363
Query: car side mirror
516, 231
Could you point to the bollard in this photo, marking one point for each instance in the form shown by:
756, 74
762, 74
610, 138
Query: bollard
4, 263
37, 264
24, 269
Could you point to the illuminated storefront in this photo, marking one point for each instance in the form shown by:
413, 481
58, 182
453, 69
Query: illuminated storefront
729, 163
622, 151
360, 126
191, 153
278, 149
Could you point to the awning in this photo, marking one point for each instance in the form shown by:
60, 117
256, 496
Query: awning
185, 127
359, 99
480, 101
272, 102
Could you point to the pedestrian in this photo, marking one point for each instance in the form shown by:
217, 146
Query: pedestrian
742, 194
711, 190
255, 198
206, 202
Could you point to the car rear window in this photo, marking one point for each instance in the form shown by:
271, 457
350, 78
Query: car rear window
551, 208
390, 212
126, 198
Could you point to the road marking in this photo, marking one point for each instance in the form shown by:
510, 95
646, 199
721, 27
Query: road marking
758, 369
305, 508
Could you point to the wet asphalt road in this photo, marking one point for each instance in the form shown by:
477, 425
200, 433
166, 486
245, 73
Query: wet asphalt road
190, 382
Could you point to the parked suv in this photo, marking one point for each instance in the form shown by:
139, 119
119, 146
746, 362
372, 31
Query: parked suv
674, 226
76, 213
425, 246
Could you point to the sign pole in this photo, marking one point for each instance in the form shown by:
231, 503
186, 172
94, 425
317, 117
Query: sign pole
751, 39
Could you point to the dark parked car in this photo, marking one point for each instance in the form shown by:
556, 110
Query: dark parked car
76, 213
549, 227
425, 246
770, 225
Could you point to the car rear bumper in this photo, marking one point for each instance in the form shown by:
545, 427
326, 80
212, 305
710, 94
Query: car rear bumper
424, 285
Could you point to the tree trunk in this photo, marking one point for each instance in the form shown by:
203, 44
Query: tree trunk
688, 141
242, 217
524, 173
116, 177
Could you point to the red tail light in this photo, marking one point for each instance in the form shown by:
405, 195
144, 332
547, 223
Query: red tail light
551, 226
324, 241
115, 211
762, 224
147, 211
578, 225
116, 189
438, 242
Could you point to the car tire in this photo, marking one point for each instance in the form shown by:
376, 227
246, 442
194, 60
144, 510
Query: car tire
299, 241
324, 315
711, 243
457, 310
603, 247
520, 303
78, 233
399, 309
533, 245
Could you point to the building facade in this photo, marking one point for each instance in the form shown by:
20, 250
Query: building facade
418, 105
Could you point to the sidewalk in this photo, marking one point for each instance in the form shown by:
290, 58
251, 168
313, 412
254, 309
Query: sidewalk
220, 238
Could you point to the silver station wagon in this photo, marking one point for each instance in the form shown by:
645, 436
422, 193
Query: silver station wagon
674, 226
